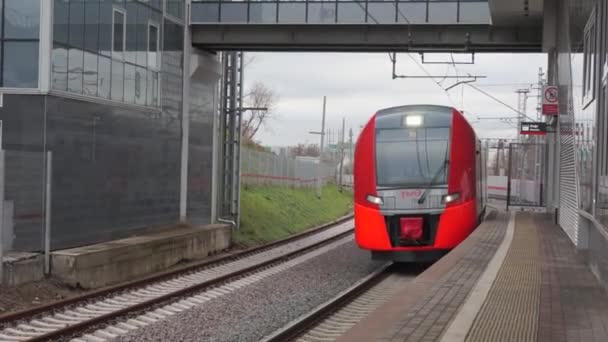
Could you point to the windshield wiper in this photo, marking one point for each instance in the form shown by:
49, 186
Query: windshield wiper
428, 188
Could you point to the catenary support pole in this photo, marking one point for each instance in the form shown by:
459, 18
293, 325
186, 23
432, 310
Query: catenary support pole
321, 149
342, 153
2, 216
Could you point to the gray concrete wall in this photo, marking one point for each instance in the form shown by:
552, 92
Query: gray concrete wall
204, 100
123, 260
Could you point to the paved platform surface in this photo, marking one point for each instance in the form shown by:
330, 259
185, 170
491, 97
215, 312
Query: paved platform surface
516, 278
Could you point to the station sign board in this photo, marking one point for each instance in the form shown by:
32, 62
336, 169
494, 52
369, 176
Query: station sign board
533, 128
550, 100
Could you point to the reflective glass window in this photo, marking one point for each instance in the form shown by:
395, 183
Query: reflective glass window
20, 64
90, 74
411, 12
61, 12
118, 75
131, 32
382, 12
292, 12
141, 76
91, 26
75, 66
128, 33
234, 12
351, 12
173, 37
474, 13
21, 19
129, 83
153, 37
203, 12
156, 4
77, 24
175, 8
59, 68
143, 19
105, 27
322, 12
263, 12
104, 77
443, 13
118, 35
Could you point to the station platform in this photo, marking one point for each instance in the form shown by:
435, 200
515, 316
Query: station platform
516, 278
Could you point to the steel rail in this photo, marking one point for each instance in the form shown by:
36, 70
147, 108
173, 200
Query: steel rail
8, 318
84, 325
303, 324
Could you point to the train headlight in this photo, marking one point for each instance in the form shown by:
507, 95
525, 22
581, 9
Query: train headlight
450, 198
375, 200
413, 120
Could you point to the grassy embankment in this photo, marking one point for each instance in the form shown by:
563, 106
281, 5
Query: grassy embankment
269, 213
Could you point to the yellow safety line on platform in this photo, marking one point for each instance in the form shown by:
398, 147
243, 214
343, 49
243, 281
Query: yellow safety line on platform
510, 313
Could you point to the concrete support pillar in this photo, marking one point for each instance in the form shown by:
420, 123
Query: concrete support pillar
46, 45
553, 154
550, 42
183, 188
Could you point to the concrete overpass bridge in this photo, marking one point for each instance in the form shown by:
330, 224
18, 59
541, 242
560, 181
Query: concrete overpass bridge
368, 25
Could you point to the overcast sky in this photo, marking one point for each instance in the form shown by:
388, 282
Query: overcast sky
357, 85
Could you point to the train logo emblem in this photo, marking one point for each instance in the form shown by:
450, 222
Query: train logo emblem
411, 193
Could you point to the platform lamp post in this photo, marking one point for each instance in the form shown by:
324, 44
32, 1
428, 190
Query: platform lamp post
322, 134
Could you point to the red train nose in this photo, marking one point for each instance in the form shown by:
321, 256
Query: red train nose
411, 228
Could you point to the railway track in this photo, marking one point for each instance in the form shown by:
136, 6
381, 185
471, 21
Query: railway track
332, 319
100, 316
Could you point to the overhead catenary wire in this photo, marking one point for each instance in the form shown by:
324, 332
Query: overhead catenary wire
499, 101
432, 78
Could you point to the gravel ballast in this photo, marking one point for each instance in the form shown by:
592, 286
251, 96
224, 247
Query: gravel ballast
257, 310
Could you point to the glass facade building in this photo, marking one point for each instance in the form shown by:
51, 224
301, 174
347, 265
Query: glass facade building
20, 36
108, 49
100, 84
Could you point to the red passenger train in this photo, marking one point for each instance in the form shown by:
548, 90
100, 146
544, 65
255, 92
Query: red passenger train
420, 183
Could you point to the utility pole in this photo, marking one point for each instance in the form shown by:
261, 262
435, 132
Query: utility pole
538, 140
521, 157
351, 155
342, 152
539, 93
321, 149
522, 106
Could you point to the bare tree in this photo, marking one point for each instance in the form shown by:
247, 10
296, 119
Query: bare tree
259, 96
303, 150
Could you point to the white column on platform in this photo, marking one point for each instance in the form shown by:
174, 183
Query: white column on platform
46, 46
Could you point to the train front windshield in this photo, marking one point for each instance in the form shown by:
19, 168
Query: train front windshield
412, 157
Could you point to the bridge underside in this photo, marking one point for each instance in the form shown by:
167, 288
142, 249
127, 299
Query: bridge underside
366, 38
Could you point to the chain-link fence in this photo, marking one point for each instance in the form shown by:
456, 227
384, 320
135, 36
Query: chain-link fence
497, 172
526, 174
265, 168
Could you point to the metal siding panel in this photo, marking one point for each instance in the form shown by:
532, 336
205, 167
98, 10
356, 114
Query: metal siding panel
568, 207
